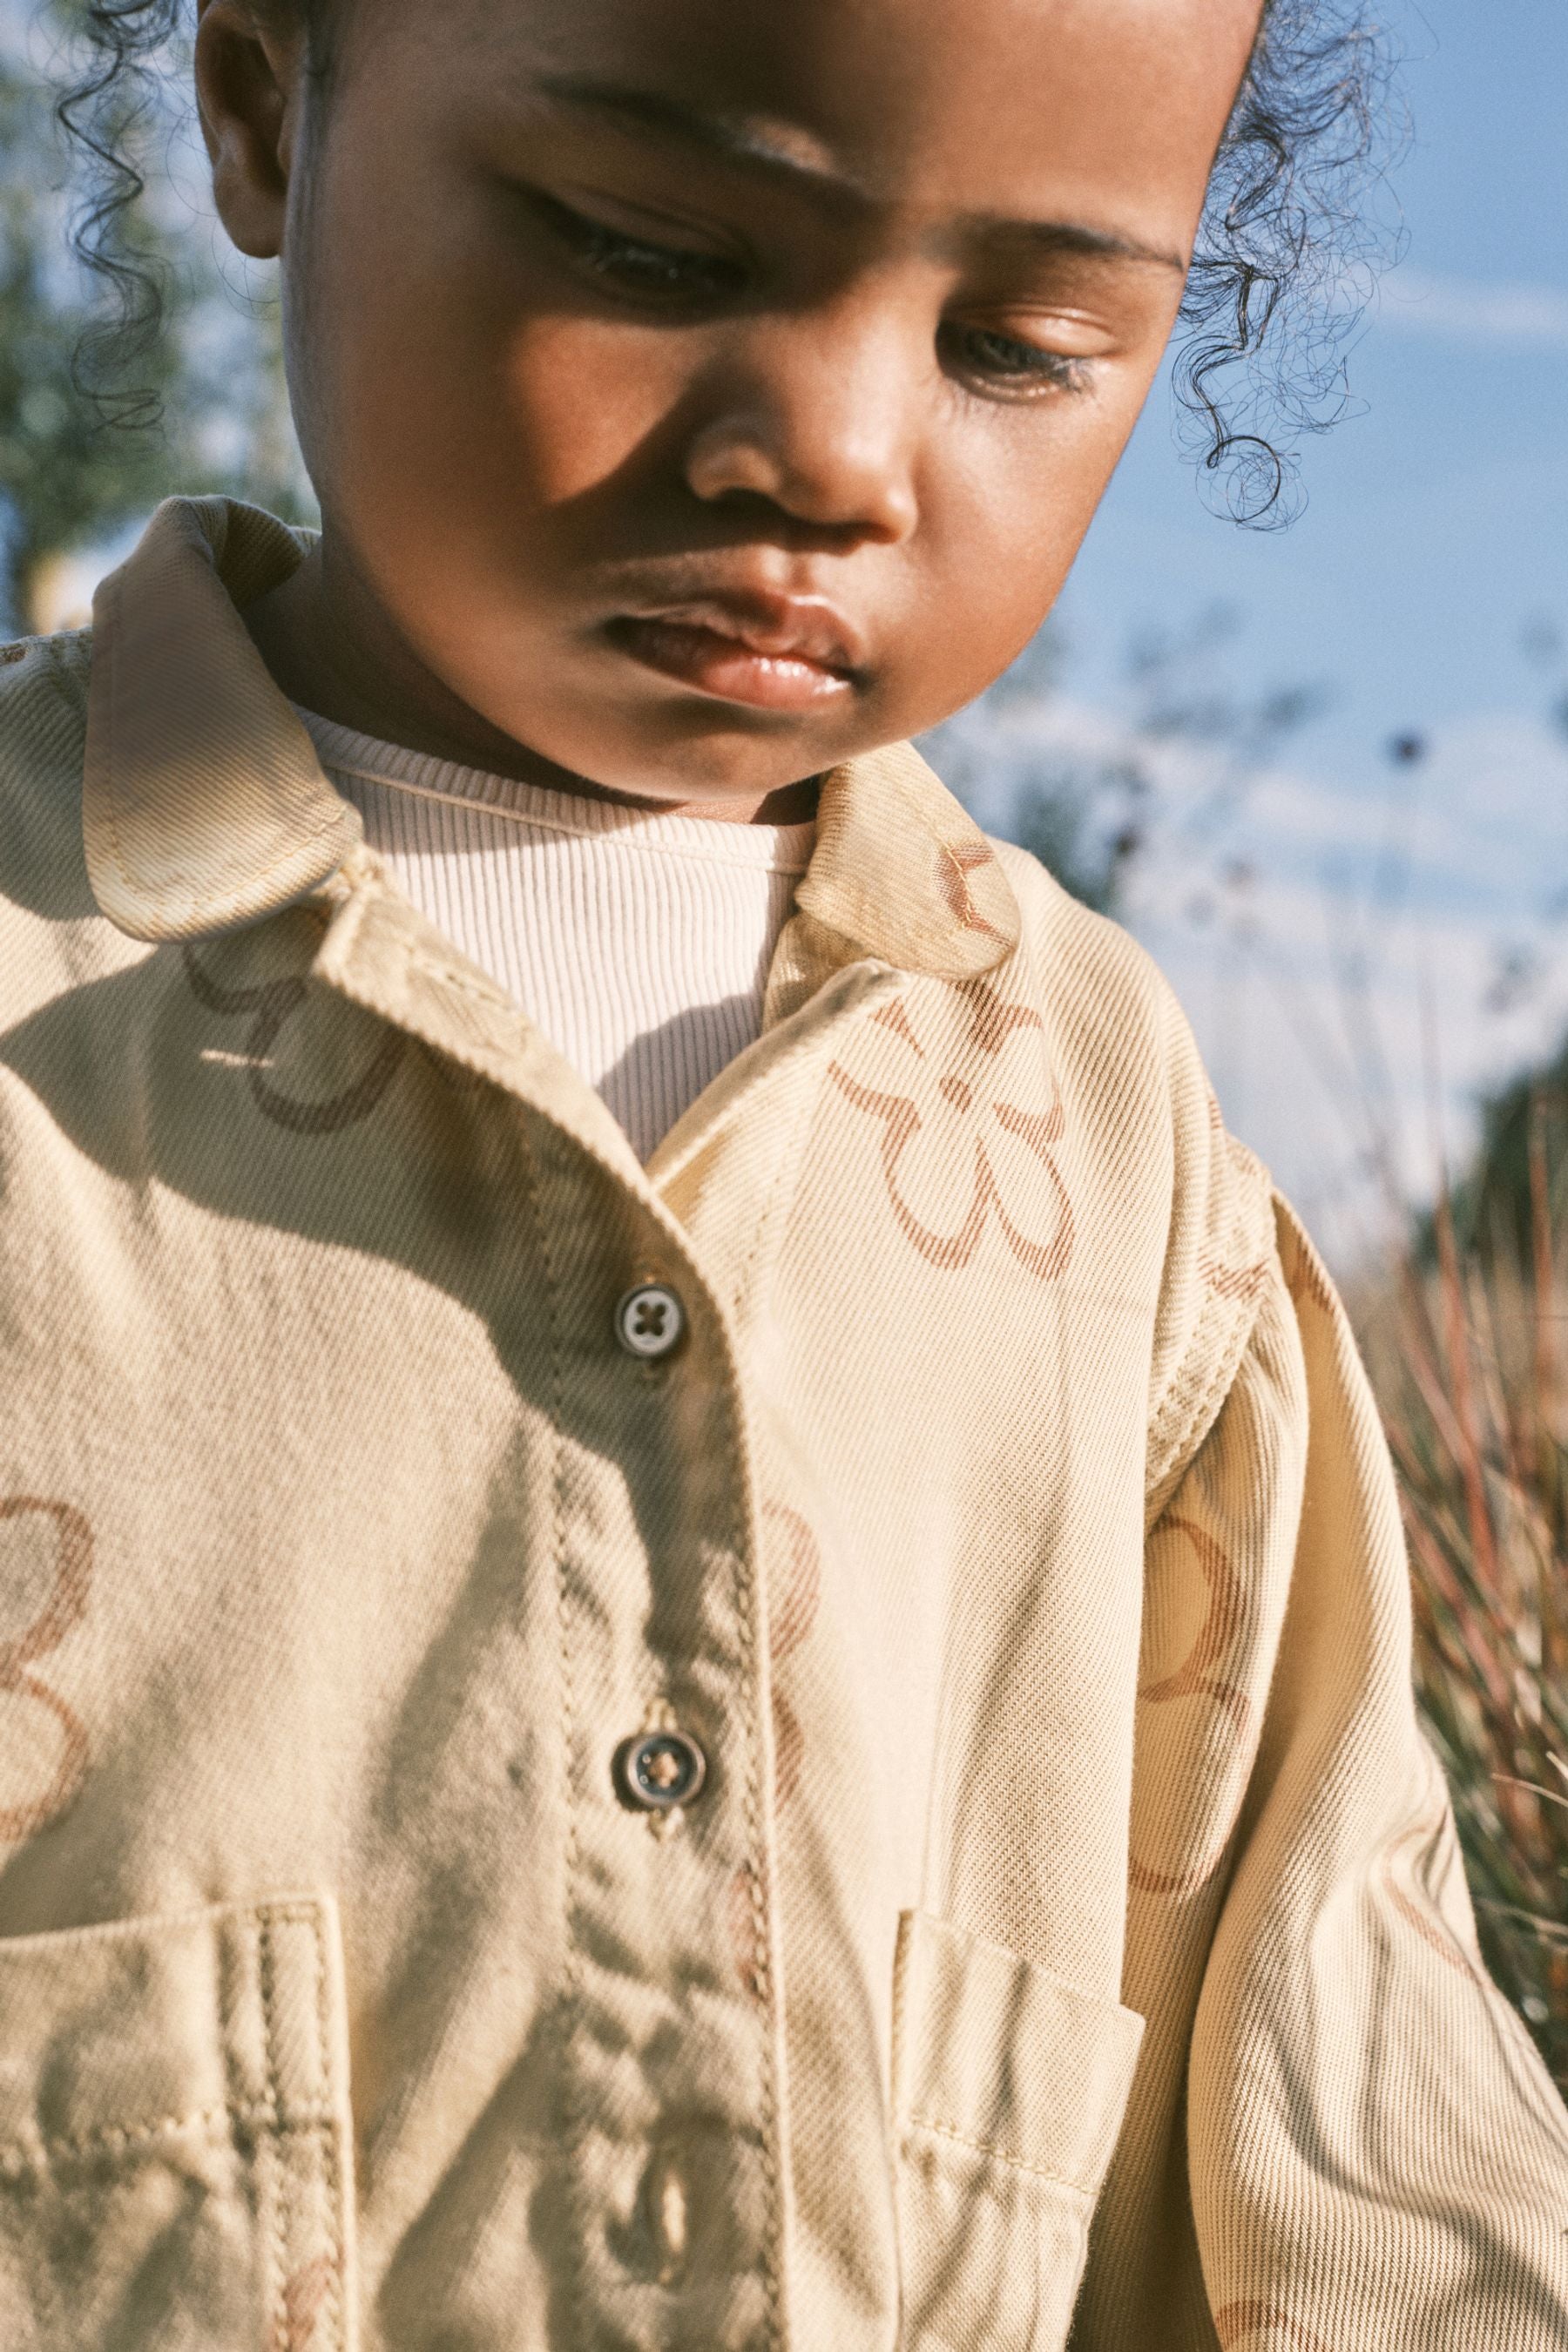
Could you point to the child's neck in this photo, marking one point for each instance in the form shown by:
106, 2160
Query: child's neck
362, 676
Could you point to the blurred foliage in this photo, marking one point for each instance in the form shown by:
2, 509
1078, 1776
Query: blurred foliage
81, 453
1465, 1347
1492, 1209
1089, 814
65, 475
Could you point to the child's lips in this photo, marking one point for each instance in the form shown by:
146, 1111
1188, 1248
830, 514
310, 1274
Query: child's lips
790, 655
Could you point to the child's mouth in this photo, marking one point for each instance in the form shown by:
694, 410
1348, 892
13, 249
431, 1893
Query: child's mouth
772, 674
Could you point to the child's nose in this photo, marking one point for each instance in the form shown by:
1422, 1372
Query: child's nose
820, 424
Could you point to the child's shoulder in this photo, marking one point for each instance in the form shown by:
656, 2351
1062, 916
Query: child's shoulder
1137, 1099
43, 715
1105, 997
38, 672
43, 735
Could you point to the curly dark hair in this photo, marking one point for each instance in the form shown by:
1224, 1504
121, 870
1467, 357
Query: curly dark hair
1295, 224
1291, 234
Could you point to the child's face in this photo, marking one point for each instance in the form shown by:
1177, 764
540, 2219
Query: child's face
708, 390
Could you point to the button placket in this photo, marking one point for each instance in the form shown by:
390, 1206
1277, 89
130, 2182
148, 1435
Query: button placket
674, 2160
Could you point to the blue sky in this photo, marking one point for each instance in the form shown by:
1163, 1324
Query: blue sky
1359, 986
1438, 518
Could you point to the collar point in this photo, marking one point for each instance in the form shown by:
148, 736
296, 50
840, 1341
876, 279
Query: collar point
159, 911
902, 869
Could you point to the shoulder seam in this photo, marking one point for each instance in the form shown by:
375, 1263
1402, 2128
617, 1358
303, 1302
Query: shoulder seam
1224, 1329
54, 654
71, 689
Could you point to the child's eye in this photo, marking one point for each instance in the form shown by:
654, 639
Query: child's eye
1004, 362
658, 273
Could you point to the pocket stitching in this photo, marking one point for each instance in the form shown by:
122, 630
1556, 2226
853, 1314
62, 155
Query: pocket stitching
287, 2202
338, 2289
20, 2158
286, 1908
924, 1933
271, 2160
1003, 2155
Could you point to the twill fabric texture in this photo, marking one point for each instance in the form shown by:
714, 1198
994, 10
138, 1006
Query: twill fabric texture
1068, 1941
639, 943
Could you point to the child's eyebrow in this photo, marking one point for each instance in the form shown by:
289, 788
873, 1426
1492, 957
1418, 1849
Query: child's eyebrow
774, 149
795, 154
1067, 236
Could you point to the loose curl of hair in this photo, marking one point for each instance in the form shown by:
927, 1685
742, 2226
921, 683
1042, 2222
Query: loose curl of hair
1294, 226
1291, 234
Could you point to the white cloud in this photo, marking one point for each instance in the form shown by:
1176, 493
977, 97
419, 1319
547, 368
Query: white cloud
1475, 310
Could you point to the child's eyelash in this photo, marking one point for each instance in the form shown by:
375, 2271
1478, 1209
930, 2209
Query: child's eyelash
637, 266
1005, 360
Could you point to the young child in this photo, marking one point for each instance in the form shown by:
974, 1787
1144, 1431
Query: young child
706, 1641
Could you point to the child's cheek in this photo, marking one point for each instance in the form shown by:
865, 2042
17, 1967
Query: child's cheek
583, 400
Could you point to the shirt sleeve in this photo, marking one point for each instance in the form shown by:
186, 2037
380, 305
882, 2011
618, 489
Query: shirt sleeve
1341, 2137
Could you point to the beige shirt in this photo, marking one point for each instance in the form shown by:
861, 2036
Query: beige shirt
1070, 1930
639, 943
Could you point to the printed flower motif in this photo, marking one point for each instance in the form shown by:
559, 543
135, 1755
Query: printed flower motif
1239, 2321
65, 1607
794, 1613
955, 863
1238, 1282
968, 1144
1243, 1282
1414, 1905
304, 2297
273, 1004
1214, 1743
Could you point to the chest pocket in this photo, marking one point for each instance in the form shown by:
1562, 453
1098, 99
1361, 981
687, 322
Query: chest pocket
175, 2143
1009, 2090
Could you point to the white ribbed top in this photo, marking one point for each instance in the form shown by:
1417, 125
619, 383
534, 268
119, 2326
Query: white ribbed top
639, 944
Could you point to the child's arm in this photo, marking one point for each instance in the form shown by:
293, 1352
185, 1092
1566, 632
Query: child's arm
1371, 2157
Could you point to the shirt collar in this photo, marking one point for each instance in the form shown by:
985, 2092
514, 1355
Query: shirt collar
205, 808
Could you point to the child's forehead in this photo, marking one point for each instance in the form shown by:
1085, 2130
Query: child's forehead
876, 87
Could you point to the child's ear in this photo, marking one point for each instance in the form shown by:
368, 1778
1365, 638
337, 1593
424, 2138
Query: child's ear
248, 84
